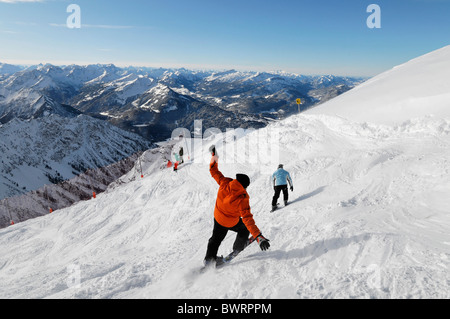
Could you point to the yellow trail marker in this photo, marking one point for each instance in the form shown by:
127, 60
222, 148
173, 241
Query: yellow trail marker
299, 101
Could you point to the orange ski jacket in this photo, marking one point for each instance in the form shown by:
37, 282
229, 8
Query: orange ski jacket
232, 201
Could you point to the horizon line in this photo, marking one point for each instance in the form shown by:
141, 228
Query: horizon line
175, 66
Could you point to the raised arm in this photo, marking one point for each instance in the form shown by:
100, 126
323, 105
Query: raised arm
214, 170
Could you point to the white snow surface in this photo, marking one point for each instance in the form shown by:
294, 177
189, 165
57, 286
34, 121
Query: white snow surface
417, 88
368, 218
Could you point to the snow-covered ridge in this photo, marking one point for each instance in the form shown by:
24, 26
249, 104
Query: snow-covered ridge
9, 69
53, 148
52, 197
414, 89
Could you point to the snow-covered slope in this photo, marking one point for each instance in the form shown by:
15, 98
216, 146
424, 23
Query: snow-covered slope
29, 104
51, 197
53, 148
417, 88
368, 218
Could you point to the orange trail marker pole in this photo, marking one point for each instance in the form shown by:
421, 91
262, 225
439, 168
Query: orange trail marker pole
90, 183
140, 166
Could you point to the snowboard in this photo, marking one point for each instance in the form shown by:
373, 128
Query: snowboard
277, 207
223, 261
274, 208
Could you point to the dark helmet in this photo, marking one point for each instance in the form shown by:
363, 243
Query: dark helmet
280, 166
243, 179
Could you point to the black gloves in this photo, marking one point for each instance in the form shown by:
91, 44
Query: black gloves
292, 188
263, 242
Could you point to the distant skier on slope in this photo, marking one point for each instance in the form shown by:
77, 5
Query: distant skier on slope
280, 179
232, 212
177, 161
180, 153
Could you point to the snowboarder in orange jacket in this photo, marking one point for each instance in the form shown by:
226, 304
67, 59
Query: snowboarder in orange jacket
232, 212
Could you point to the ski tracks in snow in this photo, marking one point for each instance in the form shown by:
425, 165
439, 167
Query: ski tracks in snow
368, 218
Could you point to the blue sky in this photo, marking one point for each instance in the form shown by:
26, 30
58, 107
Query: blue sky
301, 36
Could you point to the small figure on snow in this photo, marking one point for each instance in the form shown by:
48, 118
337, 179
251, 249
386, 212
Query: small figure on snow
177, 161
232, 212
180, 153
280, 179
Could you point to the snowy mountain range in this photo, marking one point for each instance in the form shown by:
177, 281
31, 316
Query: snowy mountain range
153, 102
368, 216
43, 141
408, 93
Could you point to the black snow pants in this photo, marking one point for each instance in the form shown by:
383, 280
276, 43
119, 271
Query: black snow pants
278, 190
218, 235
